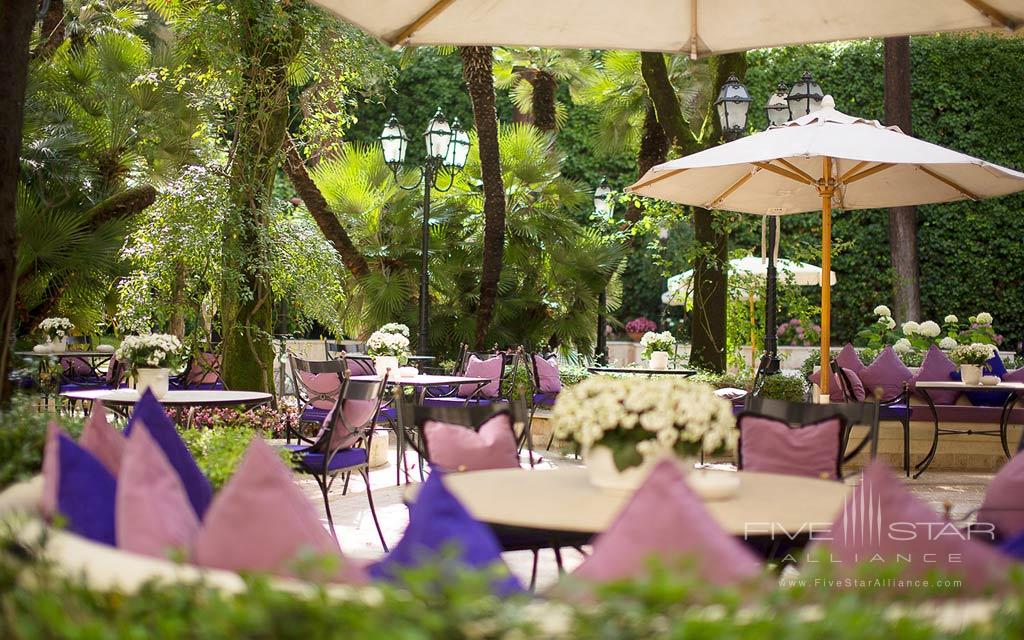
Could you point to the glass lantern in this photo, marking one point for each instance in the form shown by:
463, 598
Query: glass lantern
777, 108
394, 142
438, 136
805, 97
732, 105
458, 148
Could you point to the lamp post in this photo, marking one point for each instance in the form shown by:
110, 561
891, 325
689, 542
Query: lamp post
783, 105
447, 148
603, 206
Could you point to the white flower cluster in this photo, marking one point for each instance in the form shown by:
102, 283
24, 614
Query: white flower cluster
670, 413
951, 319
883, 311
984, 318
975, 353
382, 343
902, 346
158, 350
395, 327
56, 328
947, 343
652, 341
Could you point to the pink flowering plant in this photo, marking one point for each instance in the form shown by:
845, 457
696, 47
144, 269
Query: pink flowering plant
796, 333
641, 325
266, 420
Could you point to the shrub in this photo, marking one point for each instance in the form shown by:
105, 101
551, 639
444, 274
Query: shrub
23, 437
641, 325
219, 451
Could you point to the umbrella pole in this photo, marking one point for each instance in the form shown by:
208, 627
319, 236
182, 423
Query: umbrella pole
825, 189
753, 330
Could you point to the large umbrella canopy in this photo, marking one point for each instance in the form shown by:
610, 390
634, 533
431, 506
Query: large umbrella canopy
695, 27
790, 272
821, 160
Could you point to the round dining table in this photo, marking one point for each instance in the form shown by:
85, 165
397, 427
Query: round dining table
562, 503
122, 400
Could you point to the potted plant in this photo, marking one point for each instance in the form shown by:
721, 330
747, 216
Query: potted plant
150, 358
657, 347
56, 330
625, 425
637, 327
971, 358
388, 350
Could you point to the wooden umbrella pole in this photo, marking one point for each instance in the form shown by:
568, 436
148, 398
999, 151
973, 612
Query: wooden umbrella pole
825, 188
753, 330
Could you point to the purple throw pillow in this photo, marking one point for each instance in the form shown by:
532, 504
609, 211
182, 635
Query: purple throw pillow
772, 446
547, 374
438, 522
455, 447
887, 373
1014, 547
835, 390
477, 368
664, 519
848, 359
149, 411
1003, 506
79, 488
936, 367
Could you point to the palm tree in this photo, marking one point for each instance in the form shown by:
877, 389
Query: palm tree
532, 75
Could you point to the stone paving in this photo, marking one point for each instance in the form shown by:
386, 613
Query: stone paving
962, 491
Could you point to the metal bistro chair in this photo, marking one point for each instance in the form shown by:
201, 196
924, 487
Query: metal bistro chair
317, 385
897, 408
202, 372
456, 395
343, 444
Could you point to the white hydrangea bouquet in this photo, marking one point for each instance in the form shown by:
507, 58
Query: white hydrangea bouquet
383, 344
652, 341
975, 354
396, 328
56, 329
151, 350
641, 419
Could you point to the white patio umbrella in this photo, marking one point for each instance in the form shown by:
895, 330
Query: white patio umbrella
695, 27
790, 272
821, 160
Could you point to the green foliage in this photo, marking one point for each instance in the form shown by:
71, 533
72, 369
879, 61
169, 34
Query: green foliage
218, 450
782, 386
23, 437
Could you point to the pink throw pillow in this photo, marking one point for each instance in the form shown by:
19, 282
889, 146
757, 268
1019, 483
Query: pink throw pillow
887, 373
936, 367
328, 384
835, 389
772, 446
51, 471
664, 519
1003, 506
153, 514
883, 522
357, 414
477, 368
547, 375
262, 521
847, 358
457, 448
102, 440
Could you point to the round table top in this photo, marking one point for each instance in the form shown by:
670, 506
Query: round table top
563, 500
425, 380
185, 398
67, 354
647, 372
955, 384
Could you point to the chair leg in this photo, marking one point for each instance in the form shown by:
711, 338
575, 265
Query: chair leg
906, 446
327, 506
373, 511
344, 488
558, 559
399, 454
533, 571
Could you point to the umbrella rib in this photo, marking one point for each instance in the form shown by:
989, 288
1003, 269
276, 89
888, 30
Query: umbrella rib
795, 169
435, 10
785, 173
693, 29
949, 183
996, 17
667, 174
854, 169
881, 166
736, 185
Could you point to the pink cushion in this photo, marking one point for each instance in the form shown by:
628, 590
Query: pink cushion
936, 367
664, 519
75, 366
887, 373
102, 440
547, 375
883, 522
205, 369
357, 414
1017, 375
457, 448
835, 389
489, 368
51, 471
847, 358
262, 521
1003, 506
153, 514
327, 384
772, 446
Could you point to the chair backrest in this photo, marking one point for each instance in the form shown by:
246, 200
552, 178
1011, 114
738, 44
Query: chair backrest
73, 341
203, 371
333, 348
360, 364
343, 429
797, 413
312, 386
116, 372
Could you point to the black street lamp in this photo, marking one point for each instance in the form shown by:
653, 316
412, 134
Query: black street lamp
603, 207
733, 105
805, 97
447, 149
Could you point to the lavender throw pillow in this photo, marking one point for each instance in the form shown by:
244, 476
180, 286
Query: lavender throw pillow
547, 375
772, 446
1003, 506
887, 373
936, 367
848, 359
458, 448
102, 440
477, 368
835, 390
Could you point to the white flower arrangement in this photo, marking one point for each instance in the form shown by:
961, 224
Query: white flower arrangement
902, 346
976, 353
910, 328
382, 343
643, 418
395, 327
56, 328
153, 350
947, 343
883, 311
929, 329
984, 318
951, 319
652, 341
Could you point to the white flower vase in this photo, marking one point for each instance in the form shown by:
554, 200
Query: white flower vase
385, 363
970, 374
156, 380
658, 360
603, 473
55, 346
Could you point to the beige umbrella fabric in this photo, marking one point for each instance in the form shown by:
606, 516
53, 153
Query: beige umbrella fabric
821, 160
694, 27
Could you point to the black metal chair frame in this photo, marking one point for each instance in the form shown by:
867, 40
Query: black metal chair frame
904, 420
356, 390
205, 368
304, 396
333, 347
509, 360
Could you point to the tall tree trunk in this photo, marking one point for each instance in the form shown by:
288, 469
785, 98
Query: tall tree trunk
543, 104
478, 73
317, 206
177, 323
270, 36
16, 19
653, 151
52, 30
902, 220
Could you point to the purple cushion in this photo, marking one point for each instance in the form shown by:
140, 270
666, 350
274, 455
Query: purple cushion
664, 519
835, 390
1014, 547
936, 367
544, 399
882, 519
314, 462
78, 487
489, 368
149, 411
847, 358
438, 522
547, 374
1003, 506
455, 447
887, 373
772, 446
314, 414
